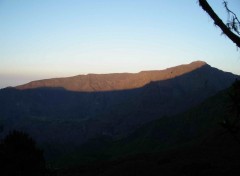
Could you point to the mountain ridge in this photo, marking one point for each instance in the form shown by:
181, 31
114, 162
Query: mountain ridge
56, 117
113, 81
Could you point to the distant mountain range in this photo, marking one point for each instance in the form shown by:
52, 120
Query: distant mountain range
64, 113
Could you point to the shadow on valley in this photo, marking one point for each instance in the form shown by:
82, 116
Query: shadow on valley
170, 126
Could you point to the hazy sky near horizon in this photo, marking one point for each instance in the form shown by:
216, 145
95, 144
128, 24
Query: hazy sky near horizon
42, 39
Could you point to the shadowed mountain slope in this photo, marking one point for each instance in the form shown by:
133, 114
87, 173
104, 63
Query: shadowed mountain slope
190, 143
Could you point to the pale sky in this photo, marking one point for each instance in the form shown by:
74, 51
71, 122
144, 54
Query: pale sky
42, 39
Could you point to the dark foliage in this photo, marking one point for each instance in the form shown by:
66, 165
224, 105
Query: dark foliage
235, 99
19, 156
231, 122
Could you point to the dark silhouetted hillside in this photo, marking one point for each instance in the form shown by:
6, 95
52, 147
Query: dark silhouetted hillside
61, 120
191, 143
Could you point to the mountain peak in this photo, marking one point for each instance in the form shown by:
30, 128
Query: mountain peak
198, 63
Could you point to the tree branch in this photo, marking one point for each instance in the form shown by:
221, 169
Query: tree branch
233, 23
217, 21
